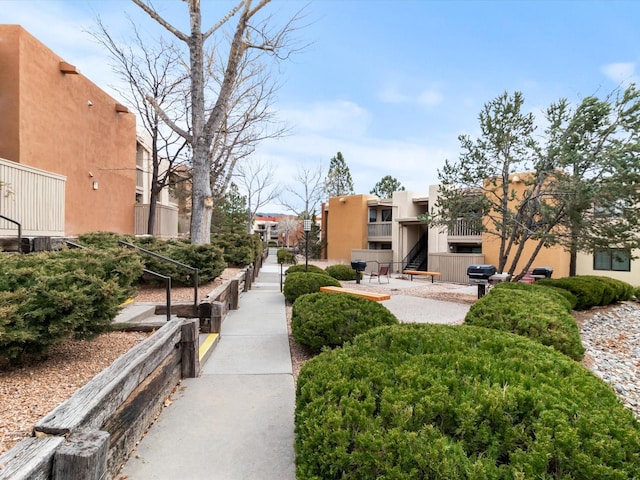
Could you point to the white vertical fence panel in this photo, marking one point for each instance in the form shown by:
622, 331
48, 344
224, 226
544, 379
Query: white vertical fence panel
34, 198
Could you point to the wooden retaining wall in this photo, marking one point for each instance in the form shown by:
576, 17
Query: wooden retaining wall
89, 436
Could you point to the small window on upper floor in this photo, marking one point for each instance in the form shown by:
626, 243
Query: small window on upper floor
373, 214
387, 215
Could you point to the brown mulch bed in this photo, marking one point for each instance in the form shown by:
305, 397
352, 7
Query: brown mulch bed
30, 391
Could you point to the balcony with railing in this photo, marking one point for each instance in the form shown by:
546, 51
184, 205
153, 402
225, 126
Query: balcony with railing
379, 231
462, 231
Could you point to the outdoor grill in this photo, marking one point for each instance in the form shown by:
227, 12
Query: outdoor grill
359, 266
480, 275
541, 272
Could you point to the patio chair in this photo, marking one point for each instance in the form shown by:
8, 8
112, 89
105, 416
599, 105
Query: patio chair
383, 272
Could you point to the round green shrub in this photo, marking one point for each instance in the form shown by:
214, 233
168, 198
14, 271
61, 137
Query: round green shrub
330, 319
591, 290
285, 256
300, 283
534, 314
565, 297
341, 272
48, 297
303, 268
442, 402
636, 293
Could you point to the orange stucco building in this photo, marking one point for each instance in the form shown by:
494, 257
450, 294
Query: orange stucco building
347, 216
554, 257
55, 119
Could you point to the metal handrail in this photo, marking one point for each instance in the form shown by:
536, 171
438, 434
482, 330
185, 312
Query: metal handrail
174, 262
167, 280
19, 230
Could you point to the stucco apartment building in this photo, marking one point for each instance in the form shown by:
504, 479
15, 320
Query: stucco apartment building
59, 127
70, 159
388, 231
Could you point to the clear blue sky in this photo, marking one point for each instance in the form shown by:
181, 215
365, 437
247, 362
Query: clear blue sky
391, 84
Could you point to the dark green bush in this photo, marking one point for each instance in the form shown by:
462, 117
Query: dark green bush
47, 298
285, 256
341, 272
330, 319
300, 283
636, 293
303, 268
104, 239
208, 259
240, 249
563, 296
444, 402
533, 313
591, 290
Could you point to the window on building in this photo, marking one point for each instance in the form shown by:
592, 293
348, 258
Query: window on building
385, 246
372, 215
386, 215
613, 259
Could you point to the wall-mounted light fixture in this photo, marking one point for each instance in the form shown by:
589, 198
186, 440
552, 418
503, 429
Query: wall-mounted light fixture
343, 200
90, 175
95, 185
515, 179
89, 103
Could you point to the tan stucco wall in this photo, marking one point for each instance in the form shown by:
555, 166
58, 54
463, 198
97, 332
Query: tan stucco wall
47, 123
554, 257
346, 227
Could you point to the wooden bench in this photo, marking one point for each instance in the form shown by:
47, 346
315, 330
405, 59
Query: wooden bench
377, 297
411, 273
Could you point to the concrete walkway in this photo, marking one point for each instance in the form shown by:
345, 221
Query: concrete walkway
235, 421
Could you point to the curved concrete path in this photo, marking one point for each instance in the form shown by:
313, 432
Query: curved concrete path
235, 421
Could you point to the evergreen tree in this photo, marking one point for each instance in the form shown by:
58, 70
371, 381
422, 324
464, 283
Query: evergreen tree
577, 185
338, 181
230, 215
386, 186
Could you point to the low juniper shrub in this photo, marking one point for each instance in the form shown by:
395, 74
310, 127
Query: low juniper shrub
301, 283
591, 290
540, 315
563, 296
305, 268
327, 319
341, 272
458, 402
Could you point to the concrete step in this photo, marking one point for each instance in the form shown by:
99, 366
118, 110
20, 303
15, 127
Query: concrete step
139, 316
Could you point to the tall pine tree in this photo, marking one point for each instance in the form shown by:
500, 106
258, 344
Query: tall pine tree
338, 181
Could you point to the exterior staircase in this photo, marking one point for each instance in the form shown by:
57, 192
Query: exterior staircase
417, 257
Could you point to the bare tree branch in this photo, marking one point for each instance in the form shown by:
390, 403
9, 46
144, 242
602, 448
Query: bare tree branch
153, 14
